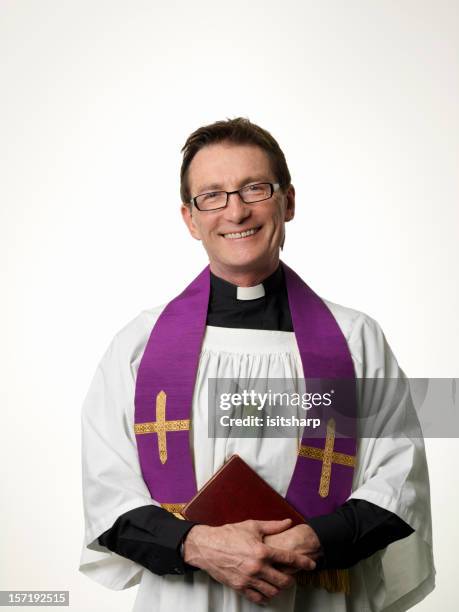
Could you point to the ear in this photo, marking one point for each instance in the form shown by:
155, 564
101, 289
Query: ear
189, 220
290, 204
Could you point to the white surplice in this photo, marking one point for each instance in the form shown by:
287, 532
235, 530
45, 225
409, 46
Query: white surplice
391, 473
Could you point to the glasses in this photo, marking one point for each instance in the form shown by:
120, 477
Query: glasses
248, 194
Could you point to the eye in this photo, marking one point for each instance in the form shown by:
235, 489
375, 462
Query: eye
209, 196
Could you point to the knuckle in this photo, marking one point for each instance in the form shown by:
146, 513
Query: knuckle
287, 582
253, 567
239, 585
291, 557
259, 551
266, 588
283, 557
272, 591
254, 597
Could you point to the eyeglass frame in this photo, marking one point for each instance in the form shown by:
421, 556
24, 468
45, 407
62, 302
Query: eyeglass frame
274, 187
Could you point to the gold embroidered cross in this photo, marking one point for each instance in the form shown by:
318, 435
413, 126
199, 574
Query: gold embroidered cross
161, 426
328, 456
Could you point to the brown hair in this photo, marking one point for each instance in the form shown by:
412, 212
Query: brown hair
238, 131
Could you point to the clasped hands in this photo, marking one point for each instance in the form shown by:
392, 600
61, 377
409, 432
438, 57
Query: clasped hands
255, 558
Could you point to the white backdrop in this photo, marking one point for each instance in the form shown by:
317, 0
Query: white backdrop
97, 99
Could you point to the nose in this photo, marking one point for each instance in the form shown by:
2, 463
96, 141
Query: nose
236, 210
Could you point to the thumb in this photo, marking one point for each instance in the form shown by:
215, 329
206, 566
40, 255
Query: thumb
272, 527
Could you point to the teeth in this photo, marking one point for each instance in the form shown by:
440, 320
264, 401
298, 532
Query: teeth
249, 232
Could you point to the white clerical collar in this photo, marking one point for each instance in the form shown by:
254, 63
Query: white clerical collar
224, 290
250, 293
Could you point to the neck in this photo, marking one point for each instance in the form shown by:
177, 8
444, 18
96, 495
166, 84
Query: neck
245, 278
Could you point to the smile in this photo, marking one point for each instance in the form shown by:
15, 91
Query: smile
245, 234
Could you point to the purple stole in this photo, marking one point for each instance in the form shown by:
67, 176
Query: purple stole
322, 478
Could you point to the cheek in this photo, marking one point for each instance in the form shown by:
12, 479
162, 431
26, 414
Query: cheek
277, 221
206, 231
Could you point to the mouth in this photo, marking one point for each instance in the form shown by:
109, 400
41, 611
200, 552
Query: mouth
241, 235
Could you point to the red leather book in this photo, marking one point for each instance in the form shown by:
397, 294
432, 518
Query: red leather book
237, 493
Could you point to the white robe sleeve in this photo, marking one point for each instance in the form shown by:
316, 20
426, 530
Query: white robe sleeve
112, 480
392, 473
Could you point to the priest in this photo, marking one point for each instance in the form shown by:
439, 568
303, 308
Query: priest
367, 541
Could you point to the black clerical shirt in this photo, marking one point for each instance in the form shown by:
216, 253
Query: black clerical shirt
151, 536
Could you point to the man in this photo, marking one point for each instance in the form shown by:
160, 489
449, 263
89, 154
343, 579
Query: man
240, 319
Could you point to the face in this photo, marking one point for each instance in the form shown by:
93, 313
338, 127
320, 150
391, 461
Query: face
226, 166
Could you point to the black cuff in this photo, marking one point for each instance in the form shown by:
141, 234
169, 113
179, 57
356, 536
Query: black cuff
335, 537
150, 536
355, 531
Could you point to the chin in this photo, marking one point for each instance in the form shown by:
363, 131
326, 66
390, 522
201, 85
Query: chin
245, 261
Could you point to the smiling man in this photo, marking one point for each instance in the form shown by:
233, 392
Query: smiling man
366, 542
243, 238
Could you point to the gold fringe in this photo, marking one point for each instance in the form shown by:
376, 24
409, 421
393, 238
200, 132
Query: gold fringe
332, 580
175, 509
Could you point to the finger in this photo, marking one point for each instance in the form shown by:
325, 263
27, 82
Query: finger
314, 555
263, 587
272, 527
255, 596
288, 557
279, 578
287, 569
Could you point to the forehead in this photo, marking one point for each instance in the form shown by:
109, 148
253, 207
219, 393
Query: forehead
226, 165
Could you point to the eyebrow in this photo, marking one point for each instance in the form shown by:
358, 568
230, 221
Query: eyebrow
248, 179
